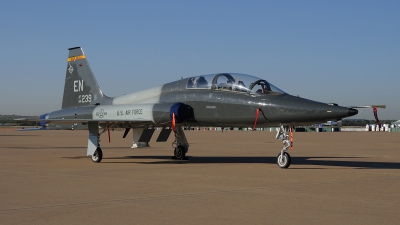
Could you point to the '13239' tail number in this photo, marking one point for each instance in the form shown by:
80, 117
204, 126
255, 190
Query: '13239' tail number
84, 98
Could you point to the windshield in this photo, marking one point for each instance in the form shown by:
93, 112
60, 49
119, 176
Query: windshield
263, 87
233, 82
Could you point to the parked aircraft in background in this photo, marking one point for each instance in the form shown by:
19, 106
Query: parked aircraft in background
217, 100
396, 122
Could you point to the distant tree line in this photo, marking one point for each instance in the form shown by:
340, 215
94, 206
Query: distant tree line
8, 122
363, 122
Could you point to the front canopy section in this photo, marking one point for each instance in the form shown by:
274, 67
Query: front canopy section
233, 82
263, 87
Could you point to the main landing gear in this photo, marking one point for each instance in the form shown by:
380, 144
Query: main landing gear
179, 152
180, 145
93, 148
285, 134
97, 155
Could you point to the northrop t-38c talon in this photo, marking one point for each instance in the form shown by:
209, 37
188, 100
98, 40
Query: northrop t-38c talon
217, 100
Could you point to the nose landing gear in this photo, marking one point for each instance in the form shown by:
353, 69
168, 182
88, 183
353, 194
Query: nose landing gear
285, 134
283, 160
180, 145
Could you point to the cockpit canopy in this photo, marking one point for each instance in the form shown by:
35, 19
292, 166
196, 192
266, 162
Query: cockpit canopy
233, 82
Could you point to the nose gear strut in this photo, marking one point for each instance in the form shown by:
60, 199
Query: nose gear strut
285, 134
180, 145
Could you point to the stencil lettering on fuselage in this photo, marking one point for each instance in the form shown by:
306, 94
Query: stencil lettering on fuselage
129, 112
84, 98
142, 112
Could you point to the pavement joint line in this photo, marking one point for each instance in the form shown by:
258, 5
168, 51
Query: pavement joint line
189, 194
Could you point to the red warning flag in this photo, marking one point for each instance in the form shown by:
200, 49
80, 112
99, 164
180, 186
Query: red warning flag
108, 129
291, 138
173, 122
255, 122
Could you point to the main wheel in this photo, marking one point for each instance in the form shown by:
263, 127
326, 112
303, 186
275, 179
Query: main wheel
97, 155
179, 152
283, 162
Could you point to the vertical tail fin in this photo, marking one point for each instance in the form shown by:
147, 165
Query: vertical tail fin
81, 87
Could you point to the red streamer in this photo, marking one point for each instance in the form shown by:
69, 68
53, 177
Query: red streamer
291, 138
255, 122
108, 129
173, 122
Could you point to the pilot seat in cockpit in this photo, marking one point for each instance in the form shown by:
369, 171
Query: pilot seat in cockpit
197, 82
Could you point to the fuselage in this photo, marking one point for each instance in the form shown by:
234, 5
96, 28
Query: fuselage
222, 100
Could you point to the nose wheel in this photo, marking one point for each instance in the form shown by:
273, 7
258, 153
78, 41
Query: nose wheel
283, 160
285, 134
180, 145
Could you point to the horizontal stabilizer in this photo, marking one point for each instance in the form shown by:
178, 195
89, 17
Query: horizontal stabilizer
21, 119
33, 129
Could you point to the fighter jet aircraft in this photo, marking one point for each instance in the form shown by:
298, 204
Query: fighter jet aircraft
214, 100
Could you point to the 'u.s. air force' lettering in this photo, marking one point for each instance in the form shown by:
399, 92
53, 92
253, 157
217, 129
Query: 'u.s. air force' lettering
129, 112
142, 112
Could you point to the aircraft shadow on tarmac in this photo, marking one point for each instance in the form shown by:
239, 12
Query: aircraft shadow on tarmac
306, 161
14, 135
40, 147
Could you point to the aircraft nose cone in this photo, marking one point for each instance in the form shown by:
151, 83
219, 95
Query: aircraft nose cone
352, 112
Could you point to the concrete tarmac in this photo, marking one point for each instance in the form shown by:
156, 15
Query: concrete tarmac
230, 178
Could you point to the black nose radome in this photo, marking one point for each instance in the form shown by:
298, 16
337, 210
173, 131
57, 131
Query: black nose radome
353, 112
